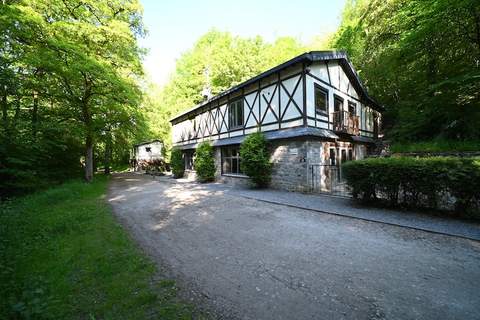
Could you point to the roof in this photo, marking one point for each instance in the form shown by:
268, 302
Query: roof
147, 142
308, 57
271, 135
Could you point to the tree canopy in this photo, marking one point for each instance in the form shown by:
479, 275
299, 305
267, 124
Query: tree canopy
420, 58
70, 74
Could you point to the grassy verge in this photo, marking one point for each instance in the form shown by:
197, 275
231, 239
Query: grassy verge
62, 255
436, 146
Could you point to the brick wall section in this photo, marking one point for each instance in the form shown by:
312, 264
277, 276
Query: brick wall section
289, 158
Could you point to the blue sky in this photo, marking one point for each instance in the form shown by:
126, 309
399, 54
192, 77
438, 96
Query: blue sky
174, 26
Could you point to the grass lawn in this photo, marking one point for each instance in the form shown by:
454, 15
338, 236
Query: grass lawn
63, 255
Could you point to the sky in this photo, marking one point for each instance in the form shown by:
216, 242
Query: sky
174, 26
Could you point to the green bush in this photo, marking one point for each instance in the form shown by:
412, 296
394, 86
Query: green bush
204, 162
255, 161
416, 182
176, 162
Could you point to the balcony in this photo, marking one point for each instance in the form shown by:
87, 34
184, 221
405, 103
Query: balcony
344, 121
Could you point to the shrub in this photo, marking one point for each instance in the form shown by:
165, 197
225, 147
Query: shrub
255, 161
176, 162
416, 182
154, 166
204, 162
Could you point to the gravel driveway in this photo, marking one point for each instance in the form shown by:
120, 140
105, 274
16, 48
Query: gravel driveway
249, 259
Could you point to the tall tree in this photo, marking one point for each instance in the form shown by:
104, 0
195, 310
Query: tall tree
421, 59
90, 51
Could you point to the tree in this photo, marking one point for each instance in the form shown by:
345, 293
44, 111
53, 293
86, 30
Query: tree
89, 52
256, 159
69, 74
421, 60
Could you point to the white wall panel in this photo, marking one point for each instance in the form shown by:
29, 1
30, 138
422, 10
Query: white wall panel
319, 70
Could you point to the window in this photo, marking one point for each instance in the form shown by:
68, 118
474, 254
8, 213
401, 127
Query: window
350, 154
188, 158
231, 160
321, 99
352, 108
148, 149
337, 104
333, 159
235, 114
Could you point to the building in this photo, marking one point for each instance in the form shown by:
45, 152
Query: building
146, 152
313, 109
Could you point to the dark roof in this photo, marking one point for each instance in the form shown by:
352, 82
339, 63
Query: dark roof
271, 135
308, 57
147, 142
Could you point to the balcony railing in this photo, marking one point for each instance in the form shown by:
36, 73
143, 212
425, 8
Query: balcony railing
344, 121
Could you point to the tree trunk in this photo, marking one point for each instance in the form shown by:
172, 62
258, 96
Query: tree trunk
108, 151
89, 157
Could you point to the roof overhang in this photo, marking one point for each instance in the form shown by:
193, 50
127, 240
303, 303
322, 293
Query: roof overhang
147, 142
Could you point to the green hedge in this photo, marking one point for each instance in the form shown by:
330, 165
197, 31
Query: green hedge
205, 162
416, 182
177, 164
256, 159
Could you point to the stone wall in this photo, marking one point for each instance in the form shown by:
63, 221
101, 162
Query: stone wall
289, 158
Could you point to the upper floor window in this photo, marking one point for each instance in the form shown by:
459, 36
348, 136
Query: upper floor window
338, 104
352, 108
148, 149
321, 99
235, 114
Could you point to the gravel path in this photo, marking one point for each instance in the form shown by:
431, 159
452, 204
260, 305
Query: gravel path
347, 207
250, 259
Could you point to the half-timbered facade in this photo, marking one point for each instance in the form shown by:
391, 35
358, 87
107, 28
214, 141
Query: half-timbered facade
313, 109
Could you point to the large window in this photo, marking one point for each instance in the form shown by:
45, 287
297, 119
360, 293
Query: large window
235, 114
231, 160
321, 100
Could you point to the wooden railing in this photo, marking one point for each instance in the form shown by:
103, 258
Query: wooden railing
344, 121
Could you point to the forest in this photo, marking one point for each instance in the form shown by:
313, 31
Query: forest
74, 97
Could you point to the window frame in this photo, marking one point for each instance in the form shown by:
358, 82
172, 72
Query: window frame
338, 98
317, 87
233, 121
354, 105
227, 155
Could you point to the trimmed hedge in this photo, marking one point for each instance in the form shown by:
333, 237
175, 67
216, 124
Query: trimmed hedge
255, 161
205, 162
417, 182
176, 162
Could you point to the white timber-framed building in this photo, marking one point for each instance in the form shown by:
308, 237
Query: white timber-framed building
313, 109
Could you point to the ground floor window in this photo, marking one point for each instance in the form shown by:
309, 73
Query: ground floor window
231, 160
188, 158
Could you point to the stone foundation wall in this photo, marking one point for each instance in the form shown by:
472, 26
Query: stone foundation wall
289, 158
